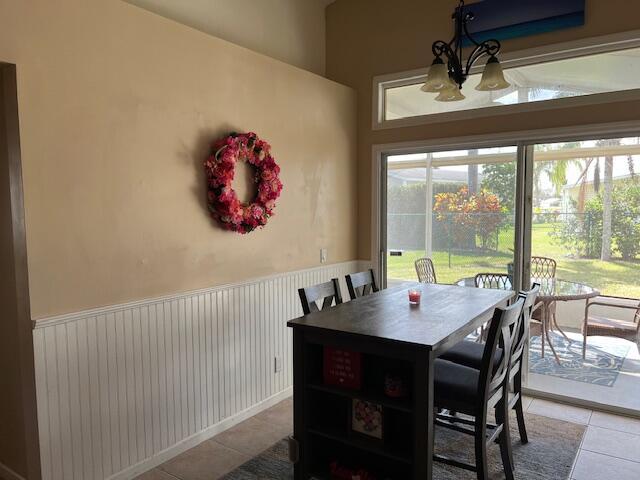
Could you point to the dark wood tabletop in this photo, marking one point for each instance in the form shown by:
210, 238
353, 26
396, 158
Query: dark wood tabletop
445, 313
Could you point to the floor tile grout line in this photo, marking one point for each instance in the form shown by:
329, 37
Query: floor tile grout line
159, 467
615, 429
610, 456
230, 447
575, 460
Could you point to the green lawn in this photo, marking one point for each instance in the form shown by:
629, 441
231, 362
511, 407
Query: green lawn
612, 278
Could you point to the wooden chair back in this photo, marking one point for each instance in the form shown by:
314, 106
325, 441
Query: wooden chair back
425, 270
328, 292
543, 267
522, 337
361, 283
499, 281
503, 331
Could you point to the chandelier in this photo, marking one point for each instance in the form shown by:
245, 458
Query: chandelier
449, 71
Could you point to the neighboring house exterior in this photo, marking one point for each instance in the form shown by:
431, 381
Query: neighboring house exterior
571, 193
410, 176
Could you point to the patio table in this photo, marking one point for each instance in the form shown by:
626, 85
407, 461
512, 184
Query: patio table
552, 290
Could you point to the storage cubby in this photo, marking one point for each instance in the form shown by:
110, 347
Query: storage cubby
329, 413
325, 452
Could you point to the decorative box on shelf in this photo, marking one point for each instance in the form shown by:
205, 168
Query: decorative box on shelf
366, 418
342, 368
340, 472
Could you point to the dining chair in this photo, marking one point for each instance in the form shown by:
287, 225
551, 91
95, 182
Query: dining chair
328, 292
474, 392
610, 327
361, 283
425, 270
469, 353
500, 281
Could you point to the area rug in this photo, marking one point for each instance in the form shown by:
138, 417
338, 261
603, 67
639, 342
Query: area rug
549, 455
601, 367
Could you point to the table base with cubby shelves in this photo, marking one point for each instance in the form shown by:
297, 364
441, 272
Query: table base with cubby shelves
391, 336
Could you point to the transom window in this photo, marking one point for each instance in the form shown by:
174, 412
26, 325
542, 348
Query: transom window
582, 76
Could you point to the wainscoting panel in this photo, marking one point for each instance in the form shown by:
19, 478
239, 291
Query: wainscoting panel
120, 389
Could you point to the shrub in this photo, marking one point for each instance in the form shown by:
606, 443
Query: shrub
582, 234
464, 216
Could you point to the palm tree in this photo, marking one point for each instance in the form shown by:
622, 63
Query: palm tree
557, 173
607, 199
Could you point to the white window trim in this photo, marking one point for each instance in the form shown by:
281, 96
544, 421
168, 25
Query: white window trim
579, 48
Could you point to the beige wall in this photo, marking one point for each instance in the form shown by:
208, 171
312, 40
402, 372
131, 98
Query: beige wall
290, 30
366, 38
117, 108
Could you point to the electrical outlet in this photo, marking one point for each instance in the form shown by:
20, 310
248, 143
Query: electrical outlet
323, 255
277, 364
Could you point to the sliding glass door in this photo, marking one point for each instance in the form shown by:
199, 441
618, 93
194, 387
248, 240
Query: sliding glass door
454, 207
585, 242
563, 214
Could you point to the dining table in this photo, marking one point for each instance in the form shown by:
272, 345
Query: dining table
552, 290
382, 338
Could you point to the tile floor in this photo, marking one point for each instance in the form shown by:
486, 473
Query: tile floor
610, 447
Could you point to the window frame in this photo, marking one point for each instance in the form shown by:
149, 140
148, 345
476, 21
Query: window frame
532, 56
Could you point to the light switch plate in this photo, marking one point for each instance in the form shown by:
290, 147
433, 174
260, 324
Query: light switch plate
323, 255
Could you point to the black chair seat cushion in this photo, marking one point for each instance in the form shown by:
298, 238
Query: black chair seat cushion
469, 354
456, 386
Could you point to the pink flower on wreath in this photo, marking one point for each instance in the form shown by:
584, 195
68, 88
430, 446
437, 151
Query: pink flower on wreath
268, 162
267, 174
257, 211
227, 195
269, 204
229, 155
264, 192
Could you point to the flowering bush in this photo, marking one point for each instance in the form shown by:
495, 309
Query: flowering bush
465, 216
221, 197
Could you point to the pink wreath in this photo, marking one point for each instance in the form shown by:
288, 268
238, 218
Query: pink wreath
220, 167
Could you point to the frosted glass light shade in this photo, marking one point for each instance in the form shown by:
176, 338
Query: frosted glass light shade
437, 78
451, 94
492, 77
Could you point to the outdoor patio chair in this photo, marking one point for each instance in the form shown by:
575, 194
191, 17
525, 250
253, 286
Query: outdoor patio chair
595, 325
361, 283
500, 281
543, 267
425, 270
